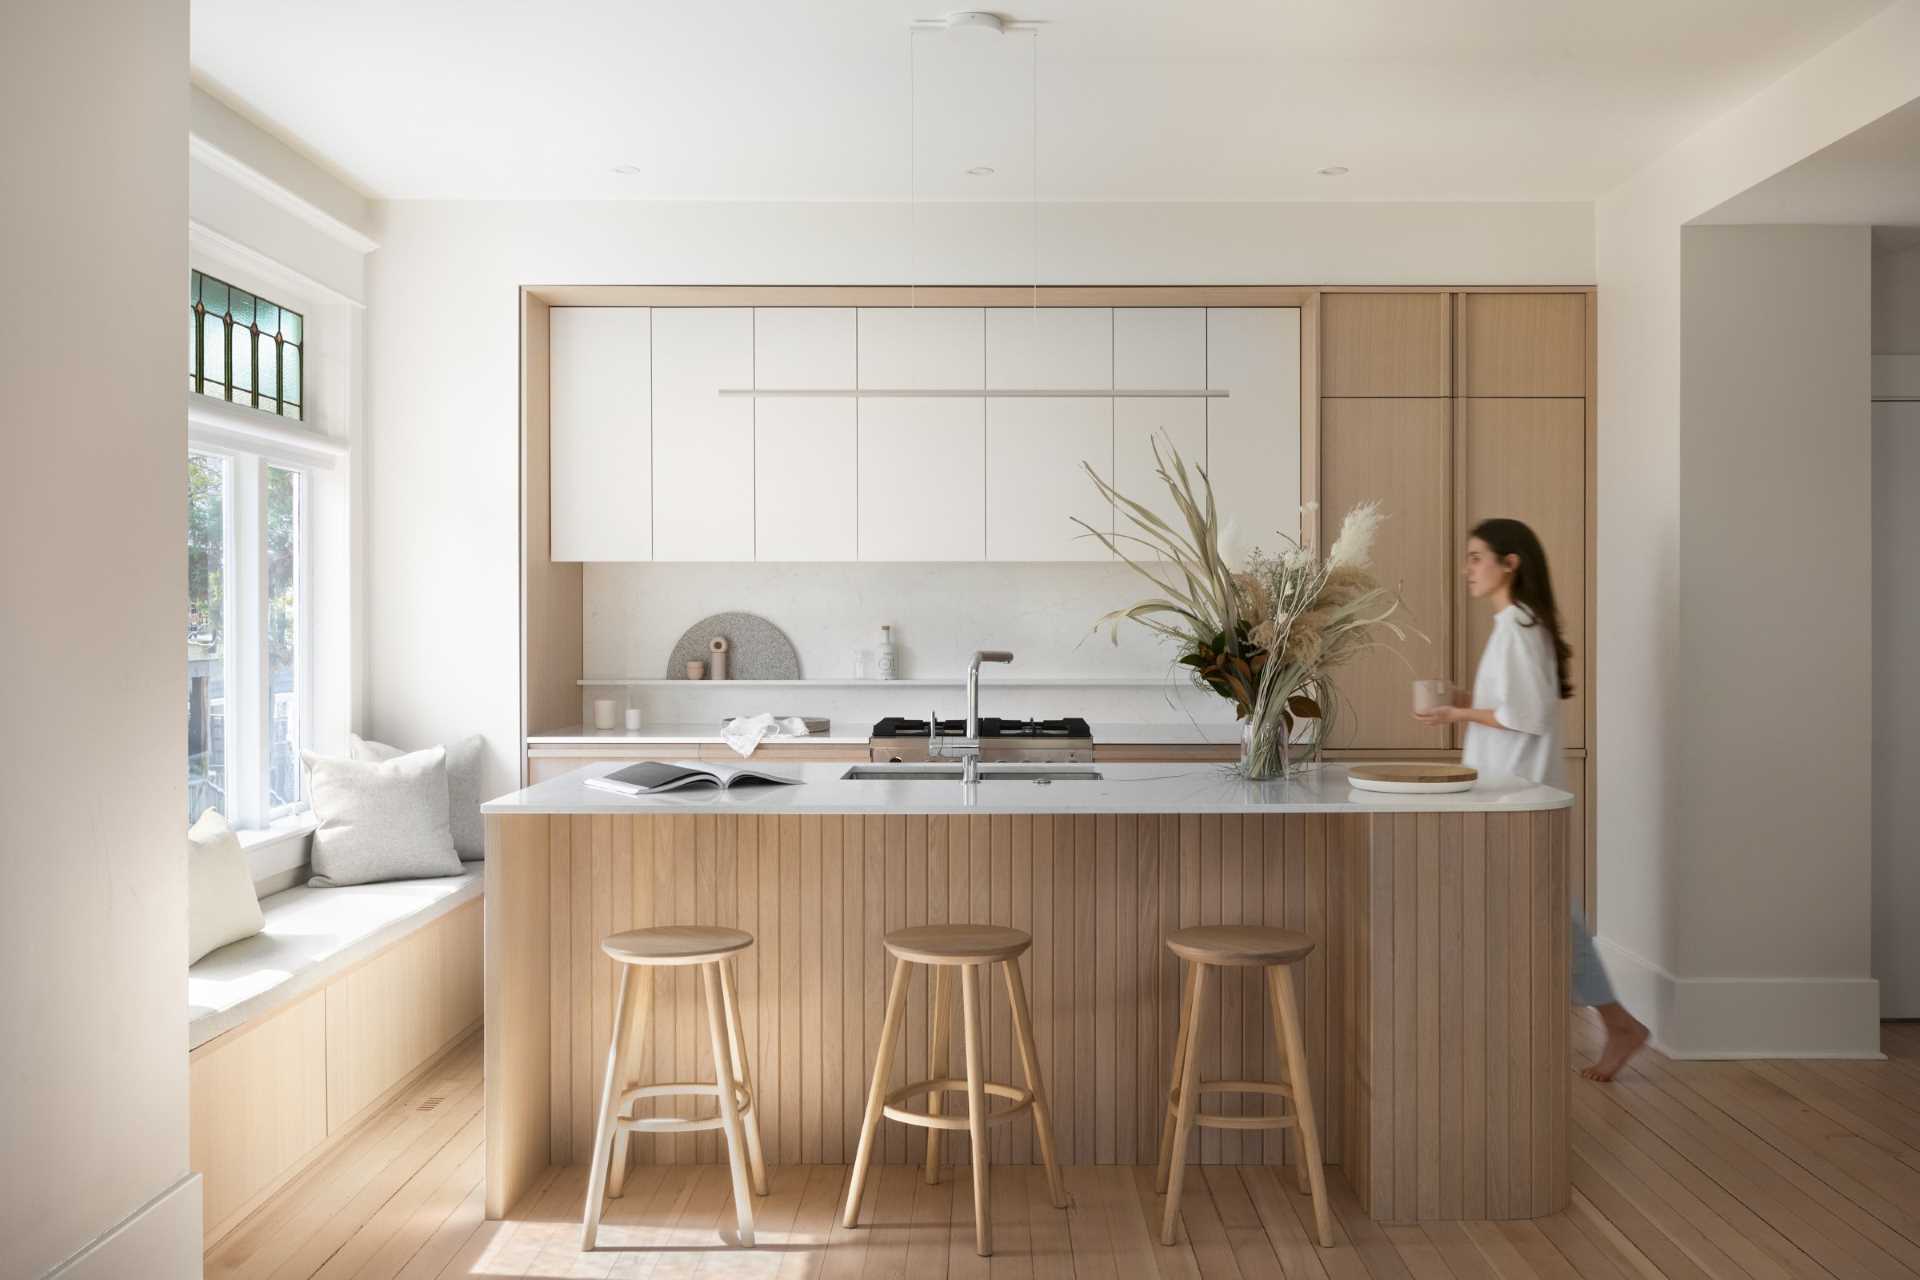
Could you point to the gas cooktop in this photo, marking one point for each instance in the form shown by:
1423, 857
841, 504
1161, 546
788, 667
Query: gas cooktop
990, 727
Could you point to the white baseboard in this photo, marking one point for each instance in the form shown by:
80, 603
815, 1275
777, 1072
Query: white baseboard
1747, 1017
158, 1241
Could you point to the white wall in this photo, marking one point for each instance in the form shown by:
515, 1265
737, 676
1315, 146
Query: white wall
93, 1068
443, 342
1640, 583
1775, 710
1896, 639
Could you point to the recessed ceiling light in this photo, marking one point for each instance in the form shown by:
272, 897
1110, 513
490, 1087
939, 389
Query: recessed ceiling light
626, 170
980, 171
1333, 171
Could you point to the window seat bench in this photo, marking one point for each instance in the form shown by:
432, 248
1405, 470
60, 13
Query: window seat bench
301, 1032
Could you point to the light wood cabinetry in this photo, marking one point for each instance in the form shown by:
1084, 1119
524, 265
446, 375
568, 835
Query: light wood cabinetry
1253, 434
1526, 459
702, 441
602, 453
805, 451
1385, 344
1524, 344
269, 1097
1513, 370
1396, 452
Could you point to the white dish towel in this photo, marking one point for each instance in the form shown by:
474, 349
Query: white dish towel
745, 733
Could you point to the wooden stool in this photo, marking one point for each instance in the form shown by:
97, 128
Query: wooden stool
711, 948
1239, 946
967, 947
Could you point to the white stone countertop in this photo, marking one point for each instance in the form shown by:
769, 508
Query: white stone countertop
1128, 788
704, 731
1137, 734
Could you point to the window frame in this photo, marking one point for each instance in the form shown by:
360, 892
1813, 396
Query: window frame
229, 554
248, 710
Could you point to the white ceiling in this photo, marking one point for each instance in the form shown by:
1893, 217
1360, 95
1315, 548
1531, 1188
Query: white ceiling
1870, 176
1228, 100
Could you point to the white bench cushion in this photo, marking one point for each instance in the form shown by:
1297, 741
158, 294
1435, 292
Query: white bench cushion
310, 936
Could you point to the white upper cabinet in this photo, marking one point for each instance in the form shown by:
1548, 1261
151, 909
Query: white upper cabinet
922, 472
805, 449
601, 484
703, 506
1157, 349
1253, 434
650, 462
1036, 484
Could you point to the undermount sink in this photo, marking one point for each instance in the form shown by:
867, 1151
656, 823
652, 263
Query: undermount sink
954, 773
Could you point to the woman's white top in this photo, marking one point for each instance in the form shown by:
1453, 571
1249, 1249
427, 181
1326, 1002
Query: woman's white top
1517, 680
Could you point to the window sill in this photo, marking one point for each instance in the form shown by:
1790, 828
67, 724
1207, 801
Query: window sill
281, 847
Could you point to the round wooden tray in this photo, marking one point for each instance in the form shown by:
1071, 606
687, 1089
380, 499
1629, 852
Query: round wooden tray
1428, 778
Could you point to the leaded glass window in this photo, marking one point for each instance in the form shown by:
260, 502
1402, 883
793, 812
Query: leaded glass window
243, 348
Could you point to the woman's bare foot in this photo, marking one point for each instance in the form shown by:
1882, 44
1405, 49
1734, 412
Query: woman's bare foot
1625, 1035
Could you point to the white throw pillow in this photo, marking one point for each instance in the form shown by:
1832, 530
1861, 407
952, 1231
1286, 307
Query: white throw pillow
380, 821
465, 760
222, 906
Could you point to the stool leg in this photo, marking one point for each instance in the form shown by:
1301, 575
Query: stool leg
737, 1046
723, 1090
1287, 1014
877, 1095
642, 1019
1173, 1077
1183, 1116
937, 1061
976, 1108
1030, 1060
609, 1099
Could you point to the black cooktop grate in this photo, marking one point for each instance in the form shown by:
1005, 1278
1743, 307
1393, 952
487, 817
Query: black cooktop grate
990, 727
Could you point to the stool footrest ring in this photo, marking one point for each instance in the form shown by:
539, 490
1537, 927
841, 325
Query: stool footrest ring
1022, 1100
742, 1096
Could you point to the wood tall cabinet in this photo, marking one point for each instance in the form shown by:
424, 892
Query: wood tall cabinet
1450, 406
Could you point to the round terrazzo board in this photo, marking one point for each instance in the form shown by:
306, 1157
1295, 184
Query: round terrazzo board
760, 650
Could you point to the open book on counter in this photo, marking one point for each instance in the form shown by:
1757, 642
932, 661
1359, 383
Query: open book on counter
652, 777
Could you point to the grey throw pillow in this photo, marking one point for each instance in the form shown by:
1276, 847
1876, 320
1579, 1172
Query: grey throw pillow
465, 760
384, 820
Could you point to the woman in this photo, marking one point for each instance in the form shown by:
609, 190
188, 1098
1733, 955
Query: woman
1513, 724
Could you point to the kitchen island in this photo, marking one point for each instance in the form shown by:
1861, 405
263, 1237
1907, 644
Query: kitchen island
1435, 1002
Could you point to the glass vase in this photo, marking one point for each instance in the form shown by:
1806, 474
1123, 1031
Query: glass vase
1264, 752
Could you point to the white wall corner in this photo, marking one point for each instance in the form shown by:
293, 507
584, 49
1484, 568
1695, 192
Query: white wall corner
1722, 1018
161, 1240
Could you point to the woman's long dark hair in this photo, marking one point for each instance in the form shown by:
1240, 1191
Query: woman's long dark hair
1532, 586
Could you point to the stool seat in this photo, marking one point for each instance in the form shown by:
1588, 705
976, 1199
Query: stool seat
676, 944
1239, 944
949, 944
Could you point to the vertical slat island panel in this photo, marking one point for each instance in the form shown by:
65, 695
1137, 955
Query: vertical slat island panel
1435, 1001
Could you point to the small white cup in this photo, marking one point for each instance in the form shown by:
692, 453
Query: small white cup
603, 713
1431, 695
633, 719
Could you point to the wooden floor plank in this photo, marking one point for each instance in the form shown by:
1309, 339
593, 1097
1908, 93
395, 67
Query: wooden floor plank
1690, 1170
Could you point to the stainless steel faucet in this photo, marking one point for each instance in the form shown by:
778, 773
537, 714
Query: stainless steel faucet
967, 749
